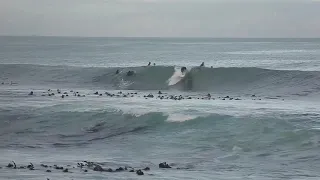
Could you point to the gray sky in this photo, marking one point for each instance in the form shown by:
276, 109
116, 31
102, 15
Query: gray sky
161, 18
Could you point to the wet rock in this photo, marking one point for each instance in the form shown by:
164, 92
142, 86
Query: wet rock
80, 165
120, 169
31, 93
237, 99
96, 93
22, 167
65, 170
62, 96
132, 170
48, 170
150, 96
109, 170
100, 94
57, 167
146, 169
30, 166
98, 168
164, 165
85, 170
253, 95
139, 172
10, 165
65, 93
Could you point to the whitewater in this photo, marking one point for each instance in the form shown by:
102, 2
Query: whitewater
251, 113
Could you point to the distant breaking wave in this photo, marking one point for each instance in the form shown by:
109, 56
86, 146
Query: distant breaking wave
231, 80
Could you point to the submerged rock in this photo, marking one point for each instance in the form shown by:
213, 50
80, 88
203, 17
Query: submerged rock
139, 172
164, 165
98, 168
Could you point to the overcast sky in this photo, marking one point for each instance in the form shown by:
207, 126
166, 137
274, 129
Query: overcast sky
161, 18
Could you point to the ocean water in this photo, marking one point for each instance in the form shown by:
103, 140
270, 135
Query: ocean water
272, 130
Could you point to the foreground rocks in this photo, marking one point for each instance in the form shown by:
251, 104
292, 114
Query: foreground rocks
84, 167
157, 95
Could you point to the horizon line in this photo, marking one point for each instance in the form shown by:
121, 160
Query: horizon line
161, 37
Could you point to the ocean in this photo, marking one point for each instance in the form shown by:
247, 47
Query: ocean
252, 112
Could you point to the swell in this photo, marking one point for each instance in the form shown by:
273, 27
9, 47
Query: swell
81, 129
231, 80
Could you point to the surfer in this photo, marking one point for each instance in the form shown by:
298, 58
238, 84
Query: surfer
149, 64
183, 69
202, 64
117, 72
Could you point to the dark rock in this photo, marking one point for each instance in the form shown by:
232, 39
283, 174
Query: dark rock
146, 169
14, 165
164, 165
100, 94
57, 167
132, 170
22, 167
253, 95
98, 168
85, 170
120, 169
139, 172
30, 166
65, 170
62, 96
31, 93
109, 170
150, 96
48, 170
96, 93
